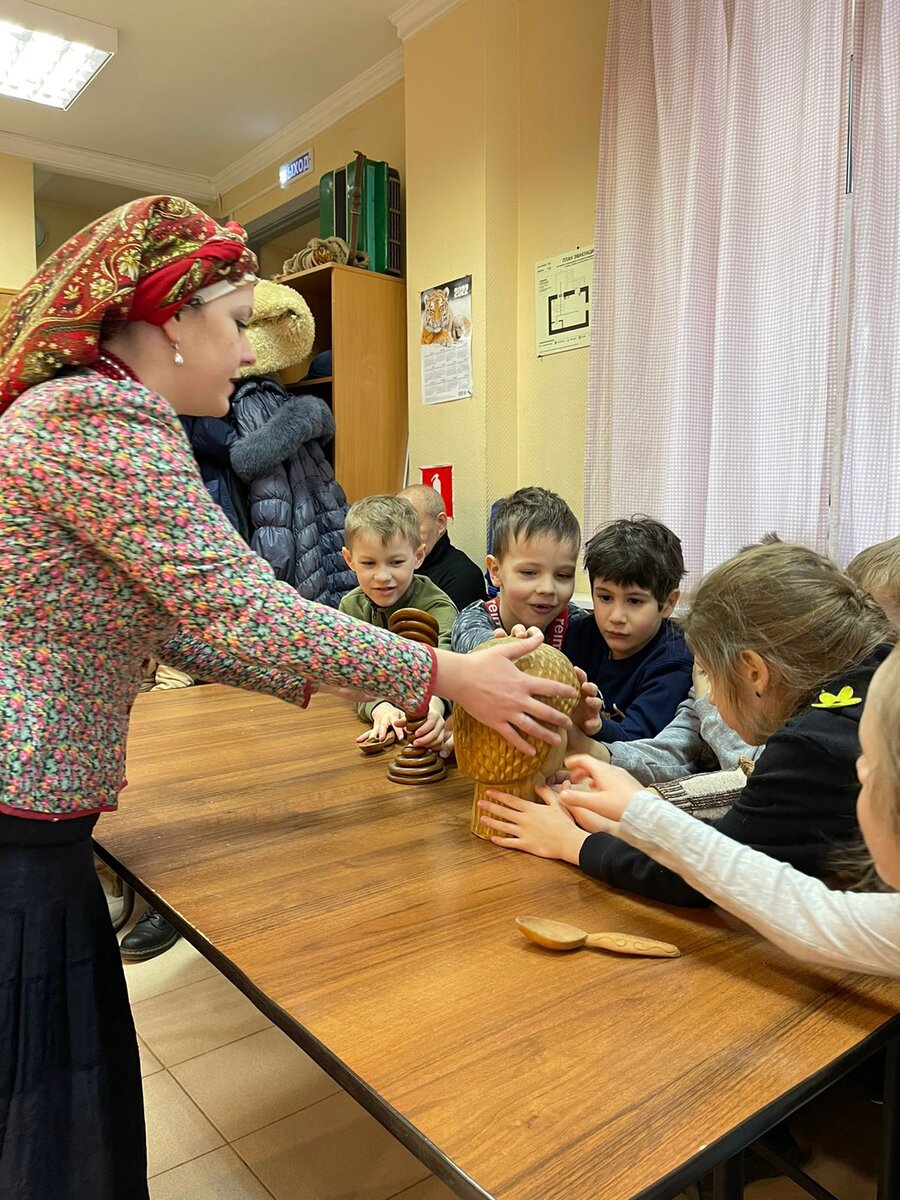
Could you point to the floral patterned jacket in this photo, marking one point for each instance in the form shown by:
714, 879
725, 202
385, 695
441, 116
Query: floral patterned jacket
111, 550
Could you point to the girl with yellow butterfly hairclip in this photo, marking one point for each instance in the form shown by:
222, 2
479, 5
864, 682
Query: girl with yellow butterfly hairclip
761, 626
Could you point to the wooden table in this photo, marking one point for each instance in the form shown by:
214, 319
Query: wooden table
365, 921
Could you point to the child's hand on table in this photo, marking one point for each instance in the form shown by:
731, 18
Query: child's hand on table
547, 830
385, 717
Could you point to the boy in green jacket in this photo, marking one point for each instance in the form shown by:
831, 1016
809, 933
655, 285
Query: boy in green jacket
383, 547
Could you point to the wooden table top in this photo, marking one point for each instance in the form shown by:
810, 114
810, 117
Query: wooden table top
370, 924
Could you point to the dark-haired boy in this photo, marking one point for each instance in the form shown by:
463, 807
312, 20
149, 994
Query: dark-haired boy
535, 539
635, 655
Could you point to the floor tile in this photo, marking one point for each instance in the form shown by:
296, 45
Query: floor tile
174, 968
253, 1082
149, 1063
217, 1176
428, 1189
195, 1019
177, 1130
331, 1151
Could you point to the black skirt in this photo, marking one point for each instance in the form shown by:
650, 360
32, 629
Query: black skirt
71, 1103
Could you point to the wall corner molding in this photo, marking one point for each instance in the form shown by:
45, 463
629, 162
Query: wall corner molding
413, 16
148, 178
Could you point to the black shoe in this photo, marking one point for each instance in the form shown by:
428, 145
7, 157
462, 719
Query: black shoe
151, 935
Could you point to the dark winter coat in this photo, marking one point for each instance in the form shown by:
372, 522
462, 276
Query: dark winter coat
297, 508
211, 440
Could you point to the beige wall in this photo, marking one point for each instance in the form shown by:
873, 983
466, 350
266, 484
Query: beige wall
275, 254
62, 221
375, 128
17, 257
505, 177
461, 219
561, 54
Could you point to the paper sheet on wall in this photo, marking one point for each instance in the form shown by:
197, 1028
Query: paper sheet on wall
446, 341
562, 301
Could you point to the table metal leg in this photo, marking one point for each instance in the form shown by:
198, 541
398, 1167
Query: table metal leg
728, 1179
889, 1174
811, 1186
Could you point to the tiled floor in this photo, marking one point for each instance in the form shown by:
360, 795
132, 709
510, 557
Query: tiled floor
236, 1111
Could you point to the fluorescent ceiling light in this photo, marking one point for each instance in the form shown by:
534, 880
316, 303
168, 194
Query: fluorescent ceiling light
49, 57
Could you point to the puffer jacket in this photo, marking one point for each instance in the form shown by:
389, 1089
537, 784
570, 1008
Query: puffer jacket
297, 508
211, 440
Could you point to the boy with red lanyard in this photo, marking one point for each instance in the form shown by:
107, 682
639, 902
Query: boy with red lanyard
535, 539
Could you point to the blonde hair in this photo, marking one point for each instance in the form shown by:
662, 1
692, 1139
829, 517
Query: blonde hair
886, 707
877, 568
794, 608
385, 516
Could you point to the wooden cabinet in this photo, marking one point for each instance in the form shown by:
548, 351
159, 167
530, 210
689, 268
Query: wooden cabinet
361, 317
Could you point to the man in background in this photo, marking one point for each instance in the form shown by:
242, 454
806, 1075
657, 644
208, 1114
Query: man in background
448, 568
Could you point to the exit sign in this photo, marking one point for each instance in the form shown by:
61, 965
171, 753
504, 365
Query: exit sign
289, 171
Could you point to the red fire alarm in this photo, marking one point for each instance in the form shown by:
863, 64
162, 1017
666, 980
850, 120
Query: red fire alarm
441, 479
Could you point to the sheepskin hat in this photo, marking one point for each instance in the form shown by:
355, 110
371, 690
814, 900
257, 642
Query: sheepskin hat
281, 329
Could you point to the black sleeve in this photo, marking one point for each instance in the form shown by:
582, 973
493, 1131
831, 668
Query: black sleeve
469, 584
798, 806
614, 862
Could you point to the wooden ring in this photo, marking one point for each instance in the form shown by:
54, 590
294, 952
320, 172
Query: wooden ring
416, 615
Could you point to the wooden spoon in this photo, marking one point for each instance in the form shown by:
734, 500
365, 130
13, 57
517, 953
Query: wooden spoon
557, 935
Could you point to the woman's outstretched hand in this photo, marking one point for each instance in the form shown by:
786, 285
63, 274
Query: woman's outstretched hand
497, 693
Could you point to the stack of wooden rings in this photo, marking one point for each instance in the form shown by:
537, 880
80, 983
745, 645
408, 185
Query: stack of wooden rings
415, 764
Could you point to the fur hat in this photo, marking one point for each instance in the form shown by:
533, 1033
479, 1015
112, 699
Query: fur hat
281, 329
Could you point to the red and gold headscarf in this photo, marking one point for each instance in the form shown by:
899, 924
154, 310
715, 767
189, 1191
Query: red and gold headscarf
141, 262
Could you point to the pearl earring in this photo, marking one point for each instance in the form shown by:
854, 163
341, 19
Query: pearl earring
179, 358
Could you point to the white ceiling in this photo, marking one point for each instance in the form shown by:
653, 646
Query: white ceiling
197, 86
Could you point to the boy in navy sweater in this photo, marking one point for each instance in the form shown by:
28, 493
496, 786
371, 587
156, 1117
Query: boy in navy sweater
635, 655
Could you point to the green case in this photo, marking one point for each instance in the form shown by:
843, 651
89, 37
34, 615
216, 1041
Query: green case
380, 218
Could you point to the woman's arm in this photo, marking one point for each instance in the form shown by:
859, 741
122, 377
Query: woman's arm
110, 462
214, 665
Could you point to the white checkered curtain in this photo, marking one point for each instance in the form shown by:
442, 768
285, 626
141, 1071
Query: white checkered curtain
868, 508
714, 358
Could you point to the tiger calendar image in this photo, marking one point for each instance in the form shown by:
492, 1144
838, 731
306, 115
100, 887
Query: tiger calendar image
446, 341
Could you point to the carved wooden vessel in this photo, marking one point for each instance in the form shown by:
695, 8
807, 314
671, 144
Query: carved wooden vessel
490, 760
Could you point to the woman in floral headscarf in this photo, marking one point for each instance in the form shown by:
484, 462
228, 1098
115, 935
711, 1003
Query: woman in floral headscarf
111, 549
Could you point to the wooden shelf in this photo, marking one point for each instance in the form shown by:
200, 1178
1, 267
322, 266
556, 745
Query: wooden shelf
360, 317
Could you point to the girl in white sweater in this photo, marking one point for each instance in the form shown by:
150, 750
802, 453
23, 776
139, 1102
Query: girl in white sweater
851, 930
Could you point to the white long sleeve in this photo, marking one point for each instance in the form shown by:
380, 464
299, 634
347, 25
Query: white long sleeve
856, 931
